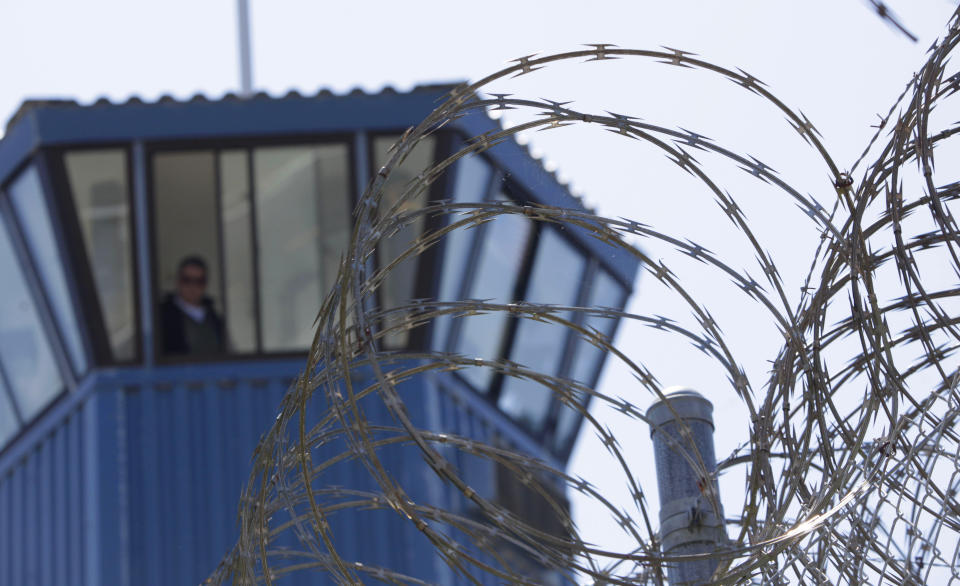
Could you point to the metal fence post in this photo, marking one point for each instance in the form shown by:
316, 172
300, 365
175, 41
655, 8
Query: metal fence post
689, 521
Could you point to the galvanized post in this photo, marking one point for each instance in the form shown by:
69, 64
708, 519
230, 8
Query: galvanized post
243, 38
691, 518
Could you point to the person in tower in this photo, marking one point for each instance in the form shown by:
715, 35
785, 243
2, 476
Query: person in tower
188, 322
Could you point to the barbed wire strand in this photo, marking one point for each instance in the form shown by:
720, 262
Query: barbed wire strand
827, 500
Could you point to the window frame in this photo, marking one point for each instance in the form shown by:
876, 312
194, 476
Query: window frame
101, 352
495, 178
570, 336
70, 273
449, 144
34, 285
430, 262
498, 185
218, 145
56, 214
150, 150
519, 196
593, 269
68, 238
510, 339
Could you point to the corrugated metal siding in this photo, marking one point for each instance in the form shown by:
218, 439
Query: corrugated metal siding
465, 414
41, 511
140, 483
477, 472
189, 446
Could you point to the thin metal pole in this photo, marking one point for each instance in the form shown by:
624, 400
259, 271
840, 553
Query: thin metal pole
243, 36
691, 518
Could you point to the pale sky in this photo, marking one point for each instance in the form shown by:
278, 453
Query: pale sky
833, 59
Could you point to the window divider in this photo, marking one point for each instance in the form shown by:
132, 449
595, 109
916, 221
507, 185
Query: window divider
143, 213
590, 271
472, 254
469, 270
361, 152
255, 252
520, 288
360, 156
430, 262
221, 244
374, 263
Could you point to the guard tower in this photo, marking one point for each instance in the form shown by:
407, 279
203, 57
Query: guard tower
121, 463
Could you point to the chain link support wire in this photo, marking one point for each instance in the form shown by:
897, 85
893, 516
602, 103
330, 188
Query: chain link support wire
851, 466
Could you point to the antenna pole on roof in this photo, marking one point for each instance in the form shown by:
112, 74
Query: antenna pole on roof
243, 34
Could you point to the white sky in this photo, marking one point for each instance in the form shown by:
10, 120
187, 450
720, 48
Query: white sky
833, 59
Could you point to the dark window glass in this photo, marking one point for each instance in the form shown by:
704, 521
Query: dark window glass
25, 352
98, 181
185, 217
400, 286
605, 291
186, 224
302, 196
494, 277
236, 224
555, 279
8, 422
470, 185
26, 194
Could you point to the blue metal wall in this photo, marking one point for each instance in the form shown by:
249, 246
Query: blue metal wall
188, 445
43, 512
137, 478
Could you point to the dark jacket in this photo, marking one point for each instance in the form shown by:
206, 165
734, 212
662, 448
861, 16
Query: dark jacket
173, 327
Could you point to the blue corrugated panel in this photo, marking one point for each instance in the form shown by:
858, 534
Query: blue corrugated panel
32, 530
197, 509
190, 445
14, 544
183, 491
45, 488
108, 555
218, 518
39, 497
135, 446
60, 499
145, 505
76, 488
19, 537
140, 483
6, 514
45, 524
165, 503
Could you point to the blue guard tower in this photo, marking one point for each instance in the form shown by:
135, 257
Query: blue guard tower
121, 461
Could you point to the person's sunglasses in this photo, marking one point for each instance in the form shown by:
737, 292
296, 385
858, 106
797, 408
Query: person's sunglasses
193, 280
